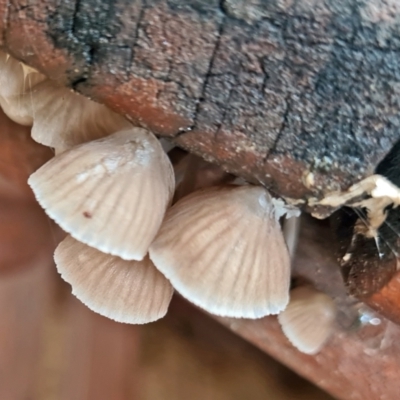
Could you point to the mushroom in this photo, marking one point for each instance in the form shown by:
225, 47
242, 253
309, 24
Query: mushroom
111, 193
291, 229
16, 81
222, 248
308, 319
63, 118
133, 292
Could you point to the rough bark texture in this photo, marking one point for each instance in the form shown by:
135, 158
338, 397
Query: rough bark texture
301, 95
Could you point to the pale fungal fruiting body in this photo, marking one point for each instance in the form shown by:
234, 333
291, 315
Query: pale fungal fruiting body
16, 81
291, 228
63, 119
308, 319
132, 292
110, 194
222, 248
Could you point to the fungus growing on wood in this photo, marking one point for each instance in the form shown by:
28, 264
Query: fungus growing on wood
16, 82
368, 227
133, 292
63, 118
308, 319
111, 193
222, 248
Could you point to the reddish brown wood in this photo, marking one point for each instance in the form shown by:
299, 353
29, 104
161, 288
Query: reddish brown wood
387, 300
361, 360
27, 235
89, 356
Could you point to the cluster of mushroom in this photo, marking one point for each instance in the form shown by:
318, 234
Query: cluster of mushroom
111, 187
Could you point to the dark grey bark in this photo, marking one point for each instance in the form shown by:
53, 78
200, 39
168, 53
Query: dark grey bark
300, 95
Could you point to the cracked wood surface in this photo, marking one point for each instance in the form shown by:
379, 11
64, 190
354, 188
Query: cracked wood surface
300, 95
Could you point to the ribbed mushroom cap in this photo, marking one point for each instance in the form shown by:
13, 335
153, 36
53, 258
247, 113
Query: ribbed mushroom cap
222, 249
308, 319
111, 193
133, 292
63, 118
16, 81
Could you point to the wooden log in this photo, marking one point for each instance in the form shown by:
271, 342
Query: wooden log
276, 91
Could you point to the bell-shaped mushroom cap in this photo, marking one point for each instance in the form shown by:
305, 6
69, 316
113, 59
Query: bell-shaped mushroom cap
308, 319
16, 81
133, 292
110, 194
16, 78
63, 118
222, 249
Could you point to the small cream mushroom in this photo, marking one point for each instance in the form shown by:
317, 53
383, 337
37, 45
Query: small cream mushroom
16, 81
308, 319
133, 292
111, 193
222, 248
62, 118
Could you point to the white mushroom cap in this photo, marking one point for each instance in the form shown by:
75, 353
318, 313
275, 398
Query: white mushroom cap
16, 80
222, 249
63, 118
110, 194
133, 292
308, 319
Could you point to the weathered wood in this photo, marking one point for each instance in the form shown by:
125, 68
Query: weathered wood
272, 90
361, 359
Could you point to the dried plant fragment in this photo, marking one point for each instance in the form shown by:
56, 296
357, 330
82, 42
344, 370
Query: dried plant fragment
368, 230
